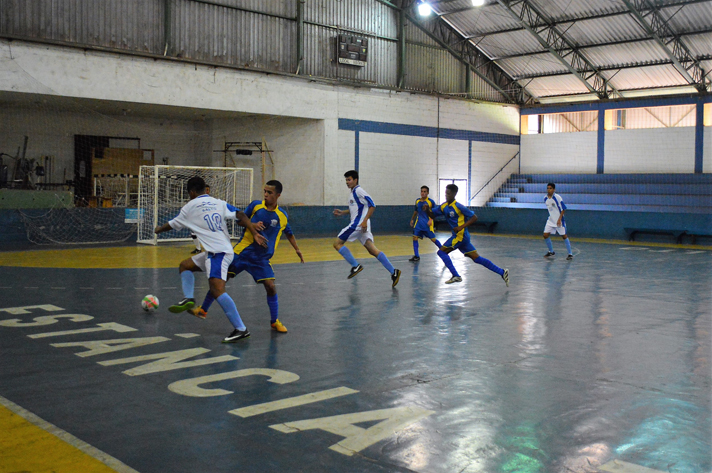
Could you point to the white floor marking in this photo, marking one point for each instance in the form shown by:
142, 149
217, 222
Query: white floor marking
187, 335
661, 251
310, 398
617, 466
635, 248
169, 287
93, 452
31, 287
89, 288
693, 252
5, 287
114, 288
58, 288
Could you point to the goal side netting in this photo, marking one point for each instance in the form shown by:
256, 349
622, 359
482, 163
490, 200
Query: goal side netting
162, 193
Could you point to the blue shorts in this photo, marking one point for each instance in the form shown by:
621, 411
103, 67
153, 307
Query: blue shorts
461, 243
259, 270
423, 232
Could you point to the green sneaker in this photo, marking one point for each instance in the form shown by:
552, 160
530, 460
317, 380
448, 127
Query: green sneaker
182, 306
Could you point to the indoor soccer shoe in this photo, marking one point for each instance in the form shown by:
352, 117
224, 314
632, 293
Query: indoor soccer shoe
198, 312
279, 326
183, 305
395, 277
195, 252
505, 276
570, 257
453, 279
355, 270
415, 259
236, 335
549, 253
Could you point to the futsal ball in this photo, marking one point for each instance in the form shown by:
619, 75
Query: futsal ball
149, 303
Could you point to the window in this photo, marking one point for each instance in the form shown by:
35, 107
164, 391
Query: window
461, 193
651, 117
559, 123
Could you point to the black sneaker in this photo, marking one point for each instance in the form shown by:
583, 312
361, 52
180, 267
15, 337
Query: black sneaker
570, 257
195, 251
550, 253
236, 335
183, 305
415, 259
355, 270
395, 277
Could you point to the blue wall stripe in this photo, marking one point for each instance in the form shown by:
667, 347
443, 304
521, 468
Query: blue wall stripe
699, 136
614, 104
425, 131
601, 143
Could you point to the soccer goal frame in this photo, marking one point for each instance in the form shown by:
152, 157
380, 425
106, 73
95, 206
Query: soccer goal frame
162, 193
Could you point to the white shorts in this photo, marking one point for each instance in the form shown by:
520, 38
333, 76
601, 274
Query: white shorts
348, 234
207, 263
554, 230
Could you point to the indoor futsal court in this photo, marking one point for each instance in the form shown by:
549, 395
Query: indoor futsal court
503, 207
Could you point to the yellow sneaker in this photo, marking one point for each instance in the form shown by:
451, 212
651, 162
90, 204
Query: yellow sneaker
279, 326
198, 312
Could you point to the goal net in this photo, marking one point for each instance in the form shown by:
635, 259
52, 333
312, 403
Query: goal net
162, 193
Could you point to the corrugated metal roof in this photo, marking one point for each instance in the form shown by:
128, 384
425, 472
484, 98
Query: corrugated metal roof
483, 20
506, 44
693, 17
560, 10
532, 65
625, 54
603, 30
646, 77
565, 84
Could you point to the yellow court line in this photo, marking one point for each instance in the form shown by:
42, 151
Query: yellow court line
313, 250
31, 444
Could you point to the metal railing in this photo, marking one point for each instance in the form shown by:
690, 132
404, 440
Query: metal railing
495, 175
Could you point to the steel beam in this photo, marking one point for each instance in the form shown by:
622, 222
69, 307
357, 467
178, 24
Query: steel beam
558, 45
658, 28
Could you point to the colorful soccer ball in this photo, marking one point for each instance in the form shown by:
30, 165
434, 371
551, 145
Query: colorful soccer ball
149, 303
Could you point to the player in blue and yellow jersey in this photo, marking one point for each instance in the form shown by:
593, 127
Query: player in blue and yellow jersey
271, 222
421, 223
460, 217
361, 207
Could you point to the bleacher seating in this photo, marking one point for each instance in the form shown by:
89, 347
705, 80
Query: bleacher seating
675, 193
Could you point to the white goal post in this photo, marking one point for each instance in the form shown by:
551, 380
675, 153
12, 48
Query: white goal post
162, 193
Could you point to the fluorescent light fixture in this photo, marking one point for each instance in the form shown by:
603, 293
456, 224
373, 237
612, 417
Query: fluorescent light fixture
424, 9
478, 3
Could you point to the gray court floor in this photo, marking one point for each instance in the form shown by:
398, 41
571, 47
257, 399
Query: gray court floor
577, 366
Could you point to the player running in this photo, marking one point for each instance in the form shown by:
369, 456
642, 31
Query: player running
421, 223
555, 223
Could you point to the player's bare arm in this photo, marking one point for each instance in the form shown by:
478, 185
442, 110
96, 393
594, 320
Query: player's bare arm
412, 219
472, 220
293, 242
364, 224
163, 228
339, 213
244, 221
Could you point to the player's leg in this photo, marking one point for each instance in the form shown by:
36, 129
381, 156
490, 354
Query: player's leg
565, 236
273, 304
201, 311
186, 268
416, 254
383, 259
347, 234
472, 254
444, 254
547, 239
217, 266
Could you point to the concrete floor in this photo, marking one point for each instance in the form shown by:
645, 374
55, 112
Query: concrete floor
598, 364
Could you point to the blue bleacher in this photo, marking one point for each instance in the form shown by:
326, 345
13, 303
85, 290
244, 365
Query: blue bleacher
688, 193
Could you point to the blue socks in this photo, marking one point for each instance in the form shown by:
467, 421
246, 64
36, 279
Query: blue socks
549, 245
415, 249
208, 301
568, 245
188, 281
489, 265
439, 245
228, 305
348, 256
384, 261
448, 262
273, 304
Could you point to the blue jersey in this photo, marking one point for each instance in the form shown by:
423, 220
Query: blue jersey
275, 222
421, 222
456, 215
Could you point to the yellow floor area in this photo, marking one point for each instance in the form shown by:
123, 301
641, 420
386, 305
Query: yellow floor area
313, 249
21, 441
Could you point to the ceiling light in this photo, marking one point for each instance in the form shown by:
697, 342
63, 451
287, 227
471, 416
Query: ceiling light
424, 9
478, 3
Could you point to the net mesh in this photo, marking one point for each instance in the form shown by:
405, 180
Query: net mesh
162, 193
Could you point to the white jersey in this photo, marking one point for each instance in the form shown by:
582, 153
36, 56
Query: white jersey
358, 206
555, 205
206, 217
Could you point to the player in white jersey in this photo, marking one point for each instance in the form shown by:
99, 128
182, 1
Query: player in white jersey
361, 207
206, 217
556, 222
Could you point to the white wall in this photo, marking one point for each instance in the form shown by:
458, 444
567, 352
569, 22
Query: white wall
559, 153
658, 150
487, 159
308, 111
707, 151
